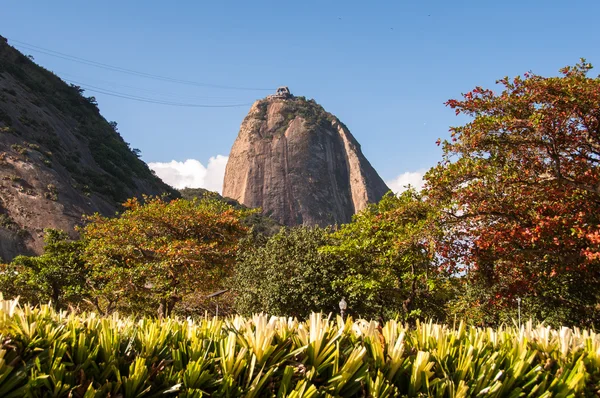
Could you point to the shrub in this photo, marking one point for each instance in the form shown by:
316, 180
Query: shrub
51, 192
6, 221
13, 178
19, 149
27, 121
35, 147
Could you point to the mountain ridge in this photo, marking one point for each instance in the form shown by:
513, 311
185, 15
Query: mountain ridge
59, 158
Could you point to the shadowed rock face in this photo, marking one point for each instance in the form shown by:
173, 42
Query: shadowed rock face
299, 164
59, 158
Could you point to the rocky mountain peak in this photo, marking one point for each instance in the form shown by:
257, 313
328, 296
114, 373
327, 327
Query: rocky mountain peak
300, 164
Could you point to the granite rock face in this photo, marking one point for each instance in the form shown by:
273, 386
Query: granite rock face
300, 164
59, 158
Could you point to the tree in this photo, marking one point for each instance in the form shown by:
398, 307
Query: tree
288, 275
520, 189
391, 263
57, 276
156, 254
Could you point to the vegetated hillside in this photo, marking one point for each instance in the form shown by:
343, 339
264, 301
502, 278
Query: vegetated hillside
300, 164
260, 223
59, 158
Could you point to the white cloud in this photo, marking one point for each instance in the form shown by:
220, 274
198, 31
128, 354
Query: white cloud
192, 173
412, 178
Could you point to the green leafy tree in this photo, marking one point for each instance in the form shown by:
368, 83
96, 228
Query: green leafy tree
57, 276
288, 275
390, 257
157, 254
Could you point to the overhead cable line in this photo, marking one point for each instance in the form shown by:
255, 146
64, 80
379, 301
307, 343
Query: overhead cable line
101, 65
100, 90
145, 90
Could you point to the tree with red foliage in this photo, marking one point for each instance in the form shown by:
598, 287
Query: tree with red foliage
520, 185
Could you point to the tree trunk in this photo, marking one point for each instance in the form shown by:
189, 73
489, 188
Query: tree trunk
173, 299
165, 308
408, 303
55, 297
161, 309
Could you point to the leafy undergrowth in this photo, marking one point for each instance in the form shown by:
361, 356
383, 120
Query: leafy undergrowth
61, 354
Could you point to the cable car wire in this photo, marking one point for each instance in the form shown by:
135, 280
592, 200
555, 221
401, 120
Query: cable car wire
100, 90
66, 76
53, 53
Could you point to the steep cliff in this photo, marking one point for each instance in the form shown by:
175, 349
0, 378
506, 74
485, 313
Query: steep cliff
300, 164
59, 158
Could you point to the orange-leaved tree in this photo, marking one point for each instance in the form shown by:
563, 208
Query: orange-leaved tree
157, 252
520, 185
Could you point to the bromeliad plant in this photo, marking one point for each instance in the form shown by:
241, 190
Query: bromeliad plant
44, 352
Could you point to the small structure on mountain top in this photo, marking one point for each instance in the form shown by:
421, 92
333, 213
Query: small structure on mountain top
282, 92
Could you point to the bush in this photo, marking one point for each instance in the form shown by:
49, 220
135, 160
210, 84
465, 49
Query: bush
35, 147
6, 221
5, 118
51, 193
45, 353
19, 149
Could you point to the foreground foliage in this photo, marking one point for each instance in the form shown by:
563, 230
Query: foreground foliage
60, 354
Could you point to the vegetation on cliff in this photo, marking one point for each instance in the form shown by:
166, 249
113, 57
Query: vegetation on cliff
309, 110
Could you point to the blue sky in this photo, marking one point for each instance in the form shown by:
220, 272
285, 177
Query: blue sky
385, 68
